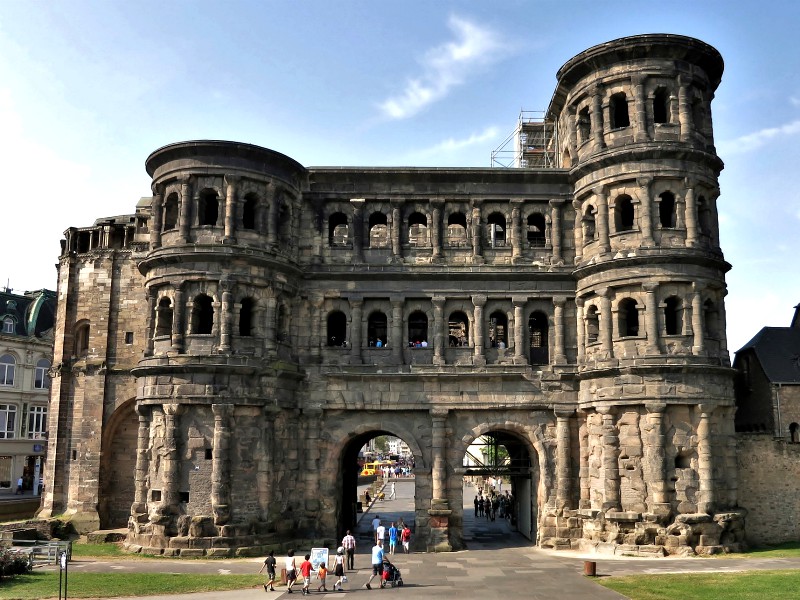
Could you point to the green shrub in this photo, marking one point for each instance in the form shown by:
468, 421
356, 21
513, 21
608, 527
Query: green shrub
13, 563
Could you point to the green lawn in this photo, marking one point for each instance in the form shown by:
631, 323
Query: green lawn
752, 585
37, 585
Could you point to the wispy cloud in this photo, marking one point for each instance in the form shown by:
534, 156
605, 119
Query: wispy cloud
447, 66
794, 100
451, 145
757, 139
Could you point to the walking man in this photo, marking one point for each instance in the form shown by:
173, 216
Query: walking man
392, 494
377, 563
393, 534
349, 545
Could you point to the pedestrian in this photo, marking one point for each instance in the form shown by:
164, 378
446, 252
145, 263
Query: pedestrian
349, 545
393, 535
487, 508
475, 502
392, 495
322, 575
380, 533
305, 570
338, 568
375, 523
270, 564
405, 538
19, 486
377, 563
291, 571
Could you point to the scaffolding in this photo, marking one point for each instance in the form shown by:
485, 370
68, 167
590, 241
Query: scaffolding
532, 145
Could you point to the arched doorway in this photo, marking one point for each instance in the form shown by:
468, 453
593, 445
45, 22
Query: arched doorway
502, 466
117, 466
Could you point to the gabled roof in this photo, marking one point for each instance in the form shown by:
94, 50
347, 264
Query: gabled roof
777, 349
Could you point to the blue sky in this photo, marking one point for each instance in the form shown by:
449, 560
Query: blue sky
89, 89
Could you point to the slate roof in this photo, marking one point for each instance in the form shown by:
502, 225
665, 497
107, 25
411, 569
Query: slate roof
34, 313
778, 351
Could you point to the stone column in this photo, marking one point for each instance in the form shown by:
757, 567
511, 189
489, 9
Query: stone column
225, 317
440, 510
221, 506
397, 248
171, 461
262, 211
517, 240
660, 505
436, 229
555, 231
358, 229
723, 328
572, 132
558, 325
478, 301
698, 333
519, 335
438, 329
356, 304
690, 214
705, 460
578, 231
581, 341
139, 506
177, 321
563, 460
651, 318
274, 199
230, 210
185, 215
610, 459
640, 133
319, 333
597, 118
606, 325
396, 341
646, 208
602, 219
585, 500
477, 254
270, 329
312, 417
152, 318
684, 111
157, 208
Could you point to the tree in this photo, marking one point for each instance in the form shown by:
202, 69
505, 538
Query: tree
381, 444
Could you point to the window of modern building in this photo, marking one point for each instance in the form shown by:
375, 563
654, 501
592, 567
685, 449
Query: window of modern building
37, 422
338, 230
618, 110
458, 327
377, 329
8, 325
249, 211
536, 230
378, 230
246, 317
7, 369
628, 316
171, 212
337, 328
498, 329
208, 208
202, 315
8, 421
41, 380
417, 328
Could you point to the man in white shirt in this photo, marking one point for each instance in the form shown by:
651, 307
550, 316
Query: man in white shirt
380, 533
349, 545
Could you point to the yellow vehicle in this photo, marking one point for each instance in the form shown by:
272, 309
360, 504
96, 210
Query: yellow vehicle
372, 468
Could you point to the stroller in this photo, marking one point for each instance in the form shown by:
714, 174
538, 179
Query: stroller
391, 575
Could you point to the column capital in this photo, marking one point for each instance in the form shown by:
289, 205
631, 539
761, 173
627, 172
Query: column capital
395, 300
519, 301
559, 301
358, 203
580, 302
439, 413
600, 190
222, 411
650, 287
689, 183
644, 182
556, 202
606, 410
605, 292
656, 407
564, 413
172, 410
143, 410
438, 301
355, 301
479, 300
232, 179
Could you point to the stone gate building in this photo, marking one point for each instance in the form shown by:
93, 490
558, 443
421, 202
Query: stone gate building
217, 366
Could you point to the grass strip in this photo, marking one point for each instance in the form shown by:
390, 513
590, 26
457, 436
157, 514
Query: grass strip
38, 585
750, 585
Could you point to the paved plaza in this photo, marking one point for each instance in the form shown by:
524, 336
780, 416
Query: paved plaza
499, 563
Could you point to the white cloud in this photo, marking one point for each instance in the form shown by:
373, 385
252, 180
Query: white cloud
757, 139
446, 67
795, 101
448, 151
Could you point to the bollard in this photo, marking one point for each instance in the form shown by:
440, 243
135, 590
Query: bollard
590, 568
284, 579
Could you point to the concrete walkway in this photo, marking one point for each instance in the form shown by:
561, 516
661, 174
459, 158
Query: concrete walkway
499, 564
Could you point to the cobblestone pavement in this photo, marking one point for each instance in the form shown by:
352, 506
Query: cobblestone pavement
499, 563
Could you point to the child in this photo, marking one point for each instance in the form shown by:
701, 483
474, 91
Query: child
269, 564
338, 568
305, 571
322, 573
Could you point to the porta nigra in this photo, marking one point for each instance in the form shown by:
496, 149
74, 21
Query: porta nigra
217, 369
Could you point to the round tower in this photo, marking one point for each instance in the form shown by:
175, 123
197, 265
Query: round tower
657, 461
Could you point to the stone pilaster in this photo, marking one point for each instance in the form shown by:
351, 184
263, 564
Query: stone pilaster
519, 335
225, 317
698, 332
139, 506
517, 240
555, 231
220, 464
684, 110
611, 501
640, 133
152, 317
185, 215
563, 459
396, 341
358, 229
177, 321
585, 500
558, 318
356, 305
597, 118
438, 330
602, 224
651, 318
274, 199
478, 302
581, 326
705, 460
436, 230
646, 212
690, 214
475, 224
171, 462
157, 208
230, 209
439, 512
577, 230
270, 333
606, 324
657, 459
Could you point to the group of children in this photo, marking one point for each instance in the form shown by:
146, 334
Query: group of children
306, 568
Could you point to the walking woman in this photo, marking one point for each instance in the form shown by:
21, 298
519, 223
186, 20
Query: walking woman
291, 570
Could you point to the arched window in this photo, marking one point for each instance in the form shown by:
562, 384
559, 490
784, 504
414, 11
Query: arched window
376, 329
171, 212
537, 332
202, 315
8, 325
623, 213
588, 224
282, 324
249, 209
711, 319
246, 317
337, 328
666, 210
82, 339
458, 328
584, 125
164, 317
704, 215
41, 380
417, 328
498, 329
618, 110
592, 325
378, 230
661, 108
7, 368
338, 231
208, 208
628, 316
673, 316
417, 229
496, 224
457, 230
566, 160
536, 230
794, 433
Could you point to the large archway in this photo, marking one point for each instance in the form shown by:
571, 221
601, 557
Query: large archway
117, 466
501, 466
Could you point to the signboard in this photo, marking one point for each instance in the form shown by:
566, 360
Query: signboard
38, 447
319, 556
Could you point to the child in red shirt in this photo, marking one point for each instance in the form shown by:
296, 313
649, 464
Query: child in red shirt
305, 570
